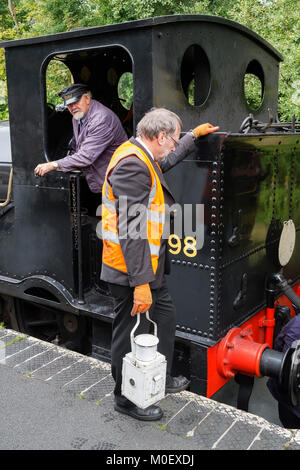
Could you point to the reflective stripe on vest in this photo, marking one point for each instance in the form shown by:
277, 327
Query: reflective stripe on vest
112, 253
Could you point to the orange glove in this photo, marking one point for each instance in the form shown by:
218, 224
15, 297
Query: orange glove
204, 129
142, 299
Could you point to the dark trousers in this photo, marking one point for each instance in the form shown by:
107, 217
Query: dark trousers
162, 312
89, 201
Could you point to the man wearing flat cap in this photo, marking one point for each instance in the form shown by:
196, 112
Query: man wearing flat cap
97, 133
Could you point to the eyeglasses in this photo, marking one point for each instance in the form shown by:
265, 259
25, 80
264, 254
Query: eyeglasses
176, 142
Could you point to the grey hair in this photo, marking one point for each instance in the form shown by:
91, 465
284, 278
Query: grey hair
158, 120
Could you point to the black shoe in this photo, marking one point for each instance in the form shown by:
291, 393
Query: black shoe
176, 384
152, 413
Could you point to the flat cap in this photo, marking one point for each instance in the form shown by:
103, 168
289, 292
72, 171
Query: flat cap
73, 93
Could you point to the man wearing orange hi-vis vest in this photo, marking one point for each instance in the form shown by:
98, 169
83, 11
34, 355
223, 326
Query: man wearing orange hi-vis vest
135, 198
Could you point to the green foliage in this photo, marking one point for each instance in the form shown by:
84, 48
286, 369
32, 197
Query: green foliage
61, 15
253, 91
125, 87
277, 21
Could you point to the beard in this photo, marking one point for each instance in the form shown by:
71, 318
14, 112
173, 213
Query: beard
78, 115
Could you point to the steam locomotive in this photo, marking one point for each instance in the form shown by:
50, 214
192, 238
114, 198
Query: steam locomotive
234, 293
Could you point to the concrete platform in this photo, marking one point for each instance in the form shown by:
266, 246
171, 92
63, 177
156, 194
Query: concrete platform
53, 398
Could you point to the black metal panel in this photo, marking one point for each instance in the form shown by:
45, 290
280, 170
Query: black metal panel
261, 192
39, 239
193, 281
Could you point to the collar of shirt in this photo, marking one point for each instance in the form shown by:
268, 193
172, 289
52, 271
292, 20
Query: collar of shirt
145, 147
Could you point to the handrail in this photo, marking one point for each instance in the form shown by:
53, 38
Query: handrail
9, 190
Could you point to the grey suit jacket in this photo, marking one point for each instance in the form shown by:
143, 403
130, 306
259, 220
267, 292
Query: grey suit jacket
131, 178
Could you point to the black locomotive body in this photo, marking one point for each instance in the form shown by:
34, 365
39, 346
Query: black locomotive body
246, 179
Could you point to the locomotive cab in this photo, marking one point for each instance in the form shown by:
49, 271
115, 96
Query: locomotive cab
244, 178
108, 72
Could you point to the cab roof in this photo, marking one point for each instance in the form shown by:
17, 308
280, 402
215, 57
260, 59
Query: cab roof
144, 23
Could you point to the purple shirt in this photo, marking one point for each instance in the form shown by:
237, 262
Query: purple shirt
100, 135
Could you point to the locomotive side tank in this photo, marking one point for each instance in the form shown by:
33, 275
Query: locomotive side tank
241, 186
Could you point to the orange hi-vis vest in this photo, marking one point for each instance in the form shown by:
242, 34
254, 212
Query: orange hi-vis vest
112, 253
